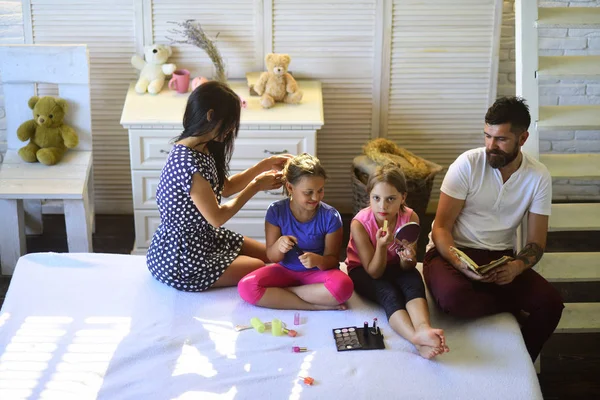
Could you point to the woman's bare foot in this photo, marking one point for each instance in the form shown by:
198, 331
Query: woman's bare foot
428, 352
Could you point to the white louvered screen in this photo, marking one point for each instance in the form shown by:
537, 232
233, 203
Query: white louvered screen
333, 42
11, 32
107, 27
236, 22
441, 68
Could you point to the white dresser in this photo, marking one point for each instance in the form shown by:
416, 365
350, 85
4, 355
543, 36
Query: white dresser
153, 121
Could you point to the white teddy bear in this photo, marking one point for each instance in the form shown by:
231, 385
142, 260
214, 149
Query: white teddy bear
154, 69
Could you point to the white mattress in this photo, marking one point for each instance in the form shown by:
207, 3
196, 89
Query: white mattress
79, 326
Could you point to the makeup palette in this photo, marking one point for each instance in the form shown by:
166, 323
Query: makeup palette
353, 338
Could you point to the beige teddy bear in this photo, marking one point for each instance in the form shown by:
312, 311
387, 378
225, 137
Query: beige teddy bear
276, 84
154, 69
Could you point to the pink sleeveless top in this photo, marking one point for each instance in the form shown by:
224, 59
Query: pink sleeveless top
368, 221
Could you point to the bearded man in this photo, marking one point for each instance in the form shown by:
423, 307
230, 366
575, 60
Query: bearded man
485, 195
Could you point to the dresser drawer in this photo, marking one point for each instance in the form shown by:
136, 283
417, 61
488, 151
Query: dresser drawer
249, 223
144, 184
252, 146
150, 147
146, 223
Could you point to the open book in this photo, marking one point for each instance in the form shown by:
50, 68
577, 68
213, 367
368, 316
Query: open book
480, 269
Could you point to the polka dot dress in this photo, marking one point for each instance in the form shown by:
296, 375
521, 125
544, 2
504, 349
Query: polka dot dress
187, 252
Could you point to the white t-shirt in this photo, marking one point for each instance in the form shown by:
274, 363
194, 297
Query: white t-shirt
493, 210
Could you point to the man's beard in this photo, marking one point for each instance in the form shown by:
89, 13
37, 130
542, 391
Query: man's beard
498, 158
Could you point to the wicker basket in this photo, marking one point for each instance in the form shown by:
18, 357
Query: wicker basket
419, 190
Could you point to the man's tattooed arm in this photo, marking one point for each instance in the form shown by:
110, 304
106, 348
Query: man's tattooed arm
530, 255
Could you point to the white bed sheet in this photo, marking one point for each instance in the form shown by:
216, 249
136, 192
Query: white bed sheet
79, 326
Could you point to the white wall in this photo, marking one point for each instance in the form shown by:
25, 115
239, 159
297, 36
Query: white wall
388, 67
557, 42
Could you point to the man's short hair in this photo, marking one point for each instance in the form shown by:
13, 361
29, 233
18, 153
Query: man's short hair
513, 110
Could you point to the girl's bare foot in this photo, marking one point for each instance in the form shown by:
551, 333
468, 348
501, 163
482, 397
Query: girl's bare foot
427, 336
440, 333
428, 352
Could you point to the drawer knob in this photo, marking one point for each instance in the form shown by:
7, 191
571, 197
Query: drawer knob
276, 152
164, 151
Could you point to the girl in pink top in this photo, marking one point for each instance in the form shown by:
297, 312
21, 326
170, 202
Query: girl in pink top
385, 276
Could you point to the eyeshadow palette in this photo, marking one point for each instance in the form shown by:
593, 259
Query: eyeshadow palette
353, 338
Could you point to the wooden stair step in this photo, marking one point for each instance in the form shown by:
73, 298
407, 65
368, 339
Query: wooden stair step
575, 217
573, 165
584, 117
569, 67
570, 267
580, 318
569, 17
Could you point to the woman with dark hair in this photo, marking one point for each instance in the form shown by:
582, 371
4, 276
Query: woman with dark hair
190, 250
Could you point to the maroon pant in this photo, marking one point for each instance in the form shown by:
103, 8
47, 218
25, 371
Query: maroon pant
458, 295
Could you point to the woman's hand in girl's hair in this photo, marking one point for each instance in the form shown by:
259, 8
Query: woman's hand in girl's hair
276, 162
285, 243
268, 180
384, 238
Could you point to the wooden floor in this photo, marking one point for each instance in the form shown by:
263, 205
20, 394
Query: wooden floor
570, 362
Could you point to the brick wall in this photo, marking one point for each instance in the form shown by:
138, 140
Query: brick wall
556, 42
11, 32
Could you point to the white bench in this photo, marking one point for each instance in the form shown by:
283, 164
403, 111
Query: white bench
23, 185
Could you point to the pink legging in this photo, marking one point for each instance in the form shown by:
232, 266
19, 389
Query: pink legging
252, 287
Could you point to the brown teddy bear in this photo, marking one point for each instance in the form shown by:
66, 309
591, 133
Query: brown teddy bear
48, 137
276, 84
